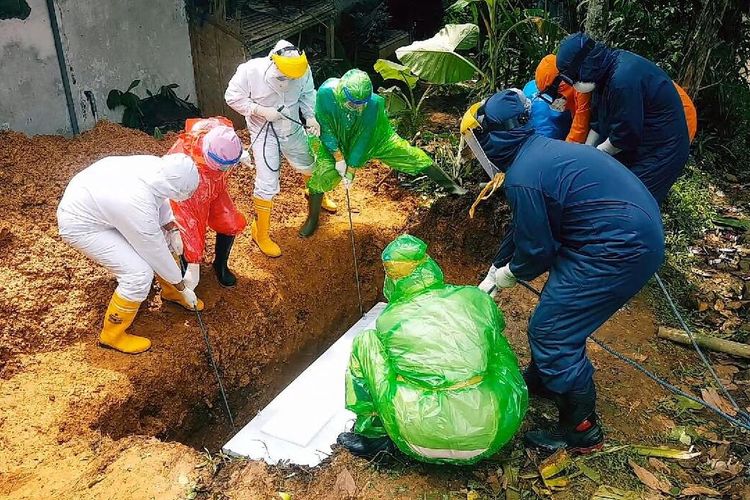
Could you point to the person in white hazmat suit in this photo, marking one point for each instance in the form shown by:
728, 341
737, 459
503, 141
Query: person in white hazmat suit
117, 213
271, 93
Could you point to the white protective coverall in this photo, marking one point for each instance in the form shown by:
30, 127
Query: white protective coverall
258, 82
114, 210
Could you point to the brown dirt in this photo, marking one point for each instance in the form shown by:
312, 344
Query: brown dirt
77, 421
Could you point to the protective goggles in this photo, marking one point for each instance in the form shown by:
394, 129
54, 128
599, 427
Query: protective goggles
224, 163
571, 73
353, 100
504, 125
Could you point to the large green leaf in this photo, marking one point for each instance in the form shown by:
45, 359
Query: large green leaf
435, 60
113, 98
133, 85
395, 103
390, 70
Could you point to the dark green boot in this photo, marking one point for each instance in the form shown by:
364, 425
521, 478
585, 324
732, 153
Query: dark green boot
314, 202
443, 180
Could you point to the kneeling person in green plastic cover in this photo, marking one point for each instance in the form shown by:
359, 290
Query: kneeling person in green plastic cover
354, 129
436, 377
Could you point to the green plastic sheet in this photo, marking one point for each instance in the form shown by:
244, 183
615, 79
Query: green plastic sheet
361, 135
436, 374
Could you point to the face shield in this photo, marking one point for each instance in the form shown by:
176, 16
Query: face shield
291, 63
472, 122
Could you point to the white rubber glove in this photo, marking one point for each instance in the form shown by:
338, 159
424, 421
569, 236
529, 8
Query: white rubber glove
608, 148
189, 296
174, 241
504, 278
592, 138
488, 283
246, 159
313, 127
192, 276
341, 168
267, 112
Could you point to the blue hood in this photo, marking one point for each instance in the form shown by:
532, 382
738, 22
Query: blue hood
595, 66
501, 146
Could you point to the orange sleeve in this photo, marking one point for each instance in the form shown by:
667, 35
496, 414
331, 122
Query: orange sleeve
691, 114
579, 129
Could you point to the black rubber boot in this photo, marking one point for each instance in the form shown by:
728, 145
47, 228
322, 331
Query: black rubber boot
313, 214
444, 181
366, 447
578, 428
534, 382
224, 244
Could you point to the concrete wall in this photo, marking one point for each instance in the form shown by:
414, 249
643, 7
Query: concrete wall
31, 91
107, 44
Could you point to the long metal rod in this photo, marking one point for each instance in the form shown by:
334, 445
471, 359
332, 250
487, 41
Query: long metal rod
213, 364
210, 352
354, 252
63, 66
676, 390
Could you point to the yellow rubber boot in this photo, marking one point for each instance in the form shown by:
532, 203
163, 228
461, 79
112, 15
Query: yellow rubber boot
172, 294
328, 204
119, 316
260, 227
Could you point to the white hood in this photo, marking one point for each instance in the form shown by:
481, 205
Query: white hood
175, 178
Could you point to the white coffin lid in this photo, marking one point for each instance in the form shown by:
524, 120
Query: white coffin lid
302, 422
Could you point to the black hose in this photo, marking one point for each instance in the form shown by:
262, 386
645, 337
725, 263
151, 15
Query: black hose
652, 376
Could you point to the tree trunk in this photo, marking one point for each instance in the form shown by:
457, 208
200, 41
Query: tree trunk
597, 15
700, 44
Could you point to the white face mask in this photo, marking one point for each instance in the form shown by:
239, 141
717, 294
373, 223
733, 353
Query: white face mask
584, 87
558, 104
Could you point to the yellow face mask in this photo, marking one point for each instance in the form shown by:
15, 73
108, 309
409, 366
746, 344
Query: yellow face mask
397, 269
291, 66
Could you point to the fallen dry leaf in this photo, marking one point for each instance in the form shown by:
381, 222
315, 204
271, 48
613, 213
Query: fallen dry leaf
345, 483
712, 397
658, 465
702, 307
693, 490
649, 479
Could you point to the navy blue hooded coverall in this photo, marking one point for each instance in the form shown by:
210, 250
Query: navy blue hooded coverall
635, 105
586, 219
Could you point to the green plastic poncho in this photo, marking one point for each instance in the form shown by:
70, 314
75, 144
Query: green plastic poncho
436, 375
360, 133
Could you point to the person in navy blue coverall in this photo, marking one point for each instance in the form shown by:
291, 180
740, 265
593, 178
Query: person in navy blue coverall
589, 221
637, 114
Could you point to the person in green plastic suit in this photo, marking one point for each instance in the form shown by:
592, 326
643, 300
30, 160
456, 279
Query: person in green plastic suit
436, 377
354, 129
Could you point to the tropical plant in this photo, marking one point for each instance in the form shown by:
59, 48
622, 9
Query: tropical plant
401, 102
512, 40
132, 116
163, 110
437, 60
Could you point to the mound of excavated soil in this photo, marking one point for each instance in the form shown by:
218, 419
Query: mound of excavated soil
78, 421
60, 390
